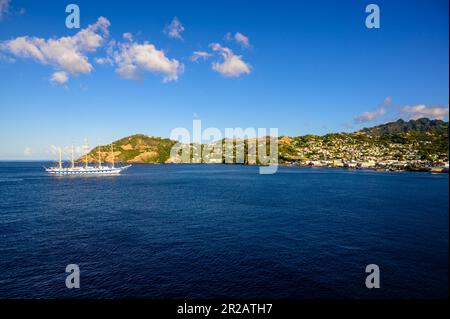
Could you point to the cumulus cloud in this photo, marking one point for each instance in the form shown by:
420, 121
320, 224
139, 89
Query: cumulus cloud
59, 77
128, 72
4, 8
421, 110
239, 38
242, 40
370, 116
131, 59
128, 36
200, 55
406, 112
68, 54
174, 29
106, 60
232, 65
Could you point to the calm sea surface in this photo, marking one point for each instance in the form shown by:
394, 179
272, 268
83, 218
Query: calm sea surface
205, 231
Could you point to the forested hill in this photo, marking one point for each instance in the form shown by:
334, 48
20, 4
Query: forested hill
401, 126
422, 139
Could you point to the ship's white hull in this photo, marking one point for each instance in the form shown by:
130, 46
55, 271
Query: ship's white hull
86, 171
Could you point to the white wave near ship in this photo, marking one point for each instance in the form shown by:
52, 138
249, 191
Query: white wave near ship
86, 169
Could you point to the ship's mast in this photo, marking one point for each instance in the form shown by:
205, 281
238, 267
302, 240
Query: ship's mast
72, 159
60, 158
86, 155
112, 154
99, 157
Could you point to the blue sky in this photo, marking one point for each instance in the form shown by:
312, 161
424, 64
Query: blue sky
308, 67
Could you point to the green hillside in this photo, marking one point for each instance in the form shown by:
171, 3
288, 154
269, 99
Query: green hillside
416, 140
137, 148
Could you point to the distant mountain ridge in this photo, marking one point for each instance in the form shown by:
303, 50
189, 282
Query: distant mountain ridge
422, 139
401, 126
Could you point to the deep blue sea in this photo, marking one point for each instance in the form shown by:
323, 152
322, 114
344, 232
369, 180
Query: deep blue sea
210, 231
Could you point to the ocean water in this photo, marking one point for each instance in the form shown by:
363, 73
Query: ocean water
223, 231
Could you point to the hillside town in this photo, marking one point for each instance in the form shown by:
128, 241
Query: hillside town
416, 145
360, 150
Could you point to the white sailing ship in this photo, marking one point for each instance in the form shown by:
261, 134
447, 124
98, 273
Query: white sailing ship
86, 169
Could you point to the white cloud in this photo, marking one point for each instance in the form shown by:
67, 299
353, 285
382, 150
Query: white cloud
106, 60
132, 58
27, 151
421, 110
407, 112
128, 36
242, 40
4, 8
66, 53
370, 116
200, 55
59, 77
174, 29
232, 65
128, 72
239, 38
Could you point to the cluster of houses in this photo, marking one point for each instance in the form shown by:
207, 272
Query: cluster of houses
360, 151
386, 165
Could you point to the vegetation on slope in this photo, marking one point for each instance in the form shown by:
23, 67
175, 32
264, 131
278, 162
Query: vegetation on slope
421, 139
